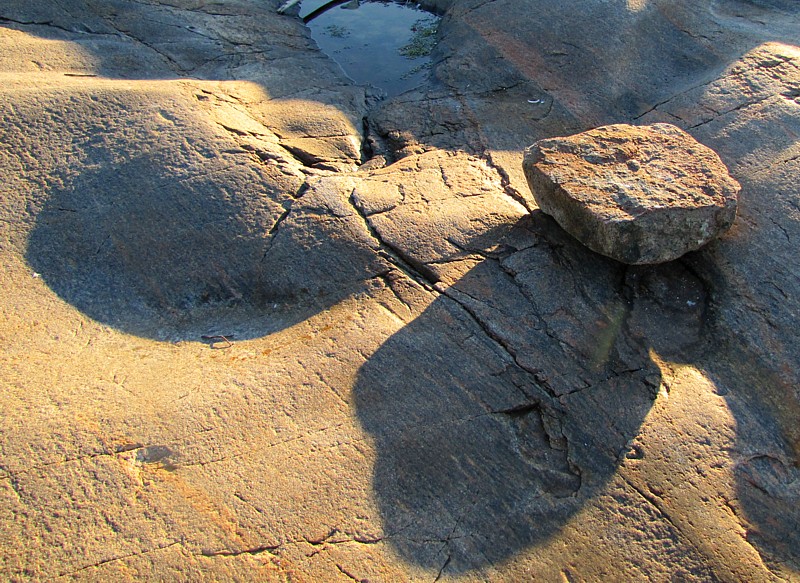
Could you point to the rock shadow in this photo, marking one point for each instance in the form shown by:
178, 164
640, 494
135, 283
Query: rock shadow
509, 402
174, 230
174, 256
765, 404
755, 369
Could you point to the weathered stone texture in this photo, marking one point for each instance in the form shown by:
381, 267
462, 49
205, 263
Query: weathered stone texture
636, 194
421, 380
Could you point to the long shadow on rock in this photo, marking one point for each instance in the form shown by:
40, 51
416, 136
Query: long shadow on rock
167, 256
508, 403
767, 469
755, 367
755, 374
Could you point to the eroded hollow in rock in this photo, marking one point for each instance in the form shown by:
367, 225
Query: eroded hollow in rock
385, 44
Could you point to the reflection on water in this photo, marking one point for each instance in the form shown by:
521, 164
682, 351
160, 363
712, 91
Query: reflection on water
384, 44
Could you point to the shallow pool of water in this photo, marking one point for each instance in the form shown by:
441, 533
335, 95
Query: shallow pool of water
380, 43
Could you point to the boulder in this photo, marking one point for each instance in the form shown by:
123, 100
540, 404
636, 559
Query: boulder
637, 194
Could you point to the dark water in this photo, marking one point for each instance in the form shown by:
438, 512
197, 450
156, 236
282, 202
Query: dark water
379, 43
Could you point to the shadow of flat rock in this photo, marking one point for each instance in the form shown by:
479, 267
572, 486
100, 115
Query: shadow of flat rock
767, 469
754, 365
496, 418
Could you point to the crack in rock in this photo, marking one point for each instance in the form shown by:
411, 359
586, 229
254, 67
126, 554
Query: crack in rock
348, 574
404, 262
254, 551
76, 572
51, 24
540, 440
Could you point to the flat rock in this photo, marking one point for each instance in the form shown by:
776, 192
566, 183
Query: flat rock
637, 194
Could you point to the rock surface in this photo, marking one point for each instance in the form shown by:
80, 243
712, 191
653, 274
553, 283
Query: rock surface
422, 380
637, 194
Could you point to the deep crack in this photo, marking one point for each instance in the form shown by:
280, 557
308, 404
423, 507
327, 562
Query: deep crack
412, 268
254, 551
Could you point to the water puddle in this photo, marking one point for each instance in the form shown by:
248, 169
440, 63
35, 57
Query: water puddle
382, 43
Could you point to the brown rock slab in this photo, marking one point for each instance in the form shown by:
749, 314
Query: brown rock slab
637, 194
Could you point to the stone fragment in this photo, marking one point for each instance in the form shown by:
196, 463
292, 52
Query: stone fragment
637, 194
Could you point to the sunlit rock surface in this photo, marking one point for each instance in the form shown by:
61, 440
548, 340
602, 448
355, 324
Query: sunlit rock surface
257, 326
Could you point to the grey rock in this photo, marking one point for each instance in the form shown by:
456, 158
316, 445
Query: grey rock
637, 194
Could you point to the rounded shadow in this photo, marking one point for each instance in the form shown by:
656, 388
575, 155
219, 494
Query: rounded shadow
183, 255
509, 402
765, 404
755, 367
